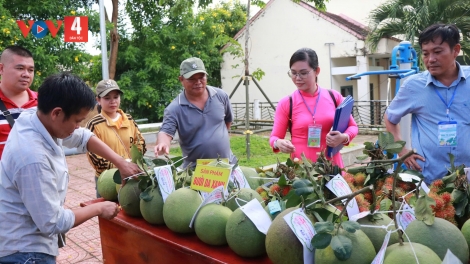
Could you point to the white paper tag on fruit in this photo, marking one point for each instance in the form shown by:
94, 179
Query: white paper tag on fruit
379, 259
406, 216
450, 258
425, 187
359, 216
257, 215
340, 188
213, 197
164, 177
303, 229
406, 177
237, 175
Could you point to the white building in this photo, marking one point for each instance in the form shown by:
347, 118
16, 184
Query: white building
282, 27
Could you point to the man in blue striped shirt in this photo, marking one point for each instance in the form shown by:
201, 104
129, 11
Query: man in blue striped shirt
34, 174
439, 102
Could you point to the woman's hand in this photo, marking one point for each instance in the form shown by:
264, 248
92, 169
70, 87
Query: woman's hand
285, 146
336, 138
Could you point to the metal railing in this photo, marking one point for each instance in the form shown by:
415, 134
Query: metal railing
368, 114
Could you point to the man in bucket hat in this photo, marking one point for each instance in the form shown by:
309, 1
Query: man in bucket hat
201, 115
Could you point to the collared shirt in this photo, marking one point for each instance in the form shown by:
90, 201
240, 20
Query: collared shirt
15, 111
418, 96
202, 134
33, 185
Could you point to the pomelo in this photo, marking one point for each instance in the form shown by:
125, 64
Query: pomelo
363, 251
377, 235
106, 185
403, 254
243, 237
282, 245
439, 237
210, 224
179, 209
466, 231
152, 207
249, 174
129, 198
242, 197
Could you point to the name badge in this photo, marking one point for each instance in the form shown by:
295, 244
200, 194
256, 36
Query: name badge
314, 134
447, 133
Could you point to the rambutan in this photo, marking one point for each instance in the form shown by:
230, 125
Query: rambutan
359, 179
285, 190
275, 188
368, 196
438, 183
349, 178
446, 197
259, 189
389, 180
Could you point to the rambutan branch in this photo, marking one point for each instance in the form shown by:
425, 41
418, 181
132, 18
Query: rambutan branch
351, 195
401, 160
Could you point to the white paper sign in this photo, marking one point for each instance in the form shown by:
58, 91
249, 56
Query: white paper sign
214, 197
406, 217
164, 177
359, 216
257, 215
237, 174
379, 259
406, 177
425, 187
450, 258
340, 188
302, 227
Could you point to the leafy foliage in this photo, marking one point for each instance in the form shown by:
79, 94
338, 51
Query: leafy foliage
410, 17
51, 55
147, 69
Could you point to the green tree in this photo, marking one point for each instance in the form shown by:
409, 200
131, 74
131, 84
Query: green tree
147, 67
408, 17
51, 55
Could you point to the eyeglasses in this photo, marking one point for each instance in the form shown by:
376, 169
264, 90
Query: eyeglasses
195, 80
302, 75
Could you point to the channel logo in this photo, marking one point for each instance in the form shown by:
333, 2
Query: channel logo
75, 28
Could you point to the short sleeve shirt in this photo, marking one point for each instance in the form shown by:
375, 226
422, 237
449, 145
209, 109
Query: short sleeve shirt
202, 134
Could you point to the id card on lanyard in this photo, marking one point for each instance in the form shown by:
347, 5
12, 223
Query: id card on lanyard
447, 133
314, 130
447, 130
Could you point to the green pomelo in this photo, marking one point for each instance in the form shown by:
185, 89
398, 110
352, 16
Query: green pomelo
377, 235
249, 174
362, 250
179, 209
243, 237
152, 209
105, 185
242, 197
439, 237
403, 254
282, 245
466, 231
129, 198
210, 224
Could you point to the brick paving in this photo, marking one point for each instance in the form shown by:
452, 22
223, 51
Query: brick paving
84, 242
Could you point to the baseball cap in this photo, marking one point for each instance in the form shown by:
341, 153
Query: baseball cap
106, 86
191, 66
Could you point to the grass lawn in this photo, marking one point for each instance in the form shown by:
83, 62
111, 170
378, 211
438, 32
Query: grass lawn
261, 153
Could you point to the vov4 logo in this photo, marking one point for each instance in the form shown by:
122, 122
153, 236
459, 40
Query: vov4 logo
75, 28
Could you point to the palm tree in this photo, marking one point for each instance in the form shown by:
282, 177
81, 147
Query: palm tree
406, 19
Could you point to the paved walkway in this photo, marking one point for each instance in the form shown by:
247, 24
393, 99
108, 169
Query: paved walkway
83, 242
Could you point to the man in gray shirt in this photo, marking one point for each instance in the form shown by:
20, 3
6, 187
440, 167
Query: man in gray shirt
34, 174
202, 116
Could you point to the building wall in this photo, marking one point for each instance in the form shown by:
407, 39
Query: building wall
283, 28
358, 10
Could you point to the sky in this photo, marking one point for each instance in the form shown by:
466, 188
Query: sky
93, 40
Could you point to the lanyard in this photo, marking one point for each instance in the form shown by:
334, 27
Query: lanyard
451, 99
316, 104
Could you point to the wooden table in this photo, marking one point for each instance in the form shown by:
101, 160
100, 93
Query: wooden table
128, 240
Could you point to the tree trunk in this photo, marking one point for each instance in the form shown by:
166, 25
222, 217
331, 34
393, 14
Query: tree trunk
114, 39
